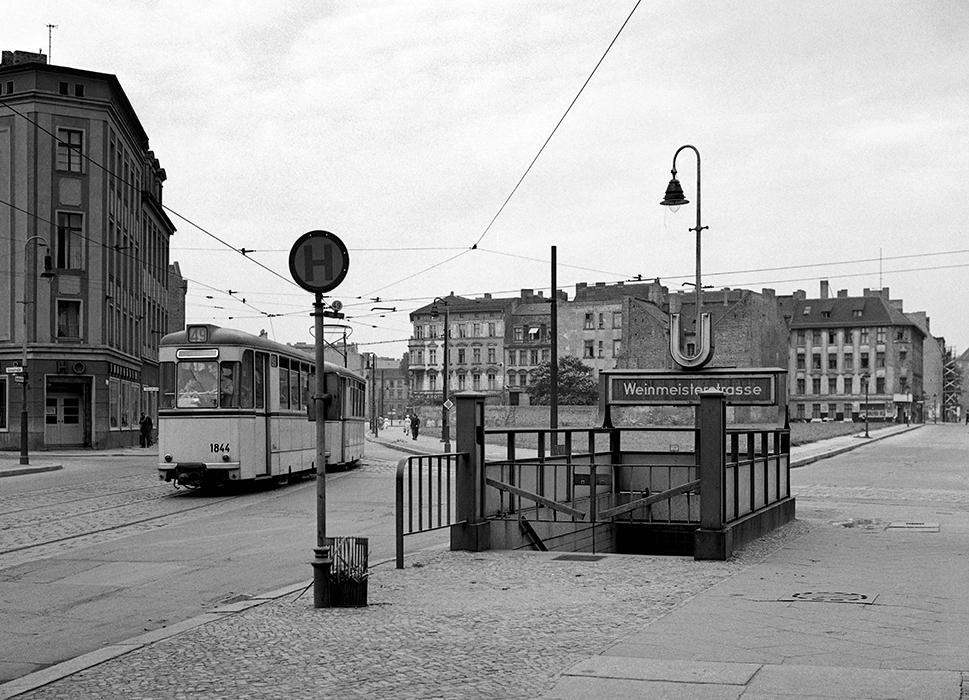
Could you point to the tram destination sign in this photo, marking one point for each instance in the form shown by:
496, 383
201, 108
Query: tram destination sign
740, 389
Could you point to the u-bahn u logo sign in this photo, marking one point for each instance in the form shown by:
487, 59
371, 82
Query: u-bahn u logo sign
665, 389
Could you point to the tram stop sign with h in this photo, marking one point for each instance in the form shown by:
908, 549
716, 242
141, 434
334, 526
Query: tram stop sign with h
318, 261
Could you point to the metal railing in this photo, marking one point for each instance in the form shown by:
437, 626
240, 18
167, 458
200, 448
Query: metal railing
425, 495
756, 470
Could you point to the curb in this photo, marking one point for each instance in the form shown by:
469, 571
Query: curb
17, 471
803, 462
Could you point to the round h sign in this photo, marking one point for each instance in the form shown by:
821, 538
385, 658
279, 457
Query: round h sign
318, 261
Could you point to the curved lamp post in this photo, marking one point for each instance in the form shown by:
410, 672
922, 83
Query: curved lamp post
24, 432
704, 331
445, 427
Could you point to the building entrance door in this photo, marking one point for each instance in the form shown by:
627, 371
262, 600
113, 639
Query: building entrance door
62, 420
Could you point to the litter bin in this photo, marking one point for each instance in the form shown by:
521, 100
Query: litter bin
348, 574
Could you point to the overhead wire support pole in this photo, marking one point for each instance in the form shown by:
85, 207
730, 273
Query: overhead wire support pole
554, 365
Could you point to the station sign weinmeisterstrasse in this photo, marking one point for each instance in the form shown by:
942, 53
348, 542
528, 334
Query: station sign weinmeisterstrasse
741, 387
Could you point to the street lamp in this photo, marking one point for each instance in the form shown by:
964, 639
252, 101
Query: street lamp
24, 433
865, 378
674, 199
445, 427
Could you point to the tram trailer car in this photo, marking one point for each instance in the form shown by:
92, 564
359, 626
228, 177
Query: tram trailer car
233, 407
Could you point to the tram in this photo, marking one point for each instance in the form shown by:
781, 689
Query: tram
233, 407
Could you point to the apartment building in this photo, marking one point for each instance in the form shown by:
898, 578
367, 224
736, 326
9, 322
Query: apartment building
851, 356
84, 250
475, 345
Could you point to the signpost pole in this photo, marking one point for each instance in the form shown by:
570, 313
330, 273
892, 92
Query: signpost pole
323, 560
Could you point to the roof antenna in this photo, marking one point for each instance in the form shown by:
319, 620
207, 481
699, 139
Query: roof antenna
50, 29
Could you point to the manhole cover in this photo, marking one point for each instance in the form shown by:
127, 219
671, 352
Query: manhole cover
916, 526
578, 557
831, 597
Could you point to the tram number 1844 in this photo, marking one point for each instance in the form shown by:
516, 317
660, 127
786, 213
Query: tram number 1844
219, 446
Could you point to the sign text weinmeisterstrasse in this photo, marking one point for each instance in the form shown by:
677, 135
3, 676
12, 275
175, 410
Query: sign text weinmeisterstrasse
686, 389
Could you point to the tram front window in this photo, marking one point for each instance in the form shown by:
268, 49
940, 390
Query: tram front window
198, 384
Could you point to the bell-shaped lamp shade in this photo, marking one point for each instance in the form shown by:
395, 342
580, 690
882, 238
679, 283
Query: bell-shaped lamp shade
674, 195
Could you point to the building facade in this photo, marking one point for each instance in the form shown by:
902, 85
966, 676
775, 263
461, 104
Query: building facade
84, 245
852, 357
476, 347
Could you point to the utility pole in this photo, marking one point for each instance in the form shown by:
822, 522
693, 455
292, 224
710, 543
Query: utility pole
553, 376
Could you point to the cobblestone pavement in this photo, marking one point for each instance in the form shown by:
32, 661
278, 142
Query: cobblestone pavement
450, 625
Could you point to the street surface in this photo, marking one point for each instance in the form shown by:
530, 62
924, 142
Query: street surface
100, 551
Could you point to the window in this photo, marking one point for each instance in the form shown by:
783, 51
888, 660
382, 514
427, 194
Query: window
69, 249
78, 90
491, 381
462, 382
832, 385
545, 354
476, 356
903, 384
801, 386
879, 385
476, 382
816, 361
880, 334
800, 336
63, 88
68, 318
284, 398
825, 314
491, 354
9, 87
461, 352
70, 149
616, 348
816, 337
832, 362
602, 321
523, 357
533, 357
534, 333
832, 410
849, 361
462, 330
476, 330
519, 334
902, 354
588, 349
491, 330
815, 410
198, 384
432, 382
807, 310
800, 411
511, 379
511, 357
801, 363
418, 331
879, 359
3, 402
433, 330
600, 350
857, 313
588, 325
816, 385
864, 336
617, 319
864, 360
832, 337
900, 334
420, 357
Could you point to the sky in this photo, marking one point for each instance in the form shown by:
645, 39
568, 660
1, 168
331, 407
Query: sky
833, 137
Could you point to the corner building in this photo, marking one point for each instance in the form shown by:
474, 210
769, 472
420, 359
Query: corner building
84, 257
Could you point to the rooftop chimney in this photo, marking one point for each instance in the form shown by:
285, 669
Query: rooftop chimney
825, 289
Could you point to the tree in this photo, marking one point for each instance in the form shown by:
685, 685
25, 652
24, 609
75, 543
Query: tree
577, 383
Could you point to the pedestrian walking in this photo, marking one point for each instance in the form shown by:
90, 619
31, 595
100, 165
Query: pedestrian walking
406, 424
415, 426
145, 424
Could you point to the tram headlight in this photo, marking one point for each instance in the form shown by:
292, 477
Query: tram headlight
168, 458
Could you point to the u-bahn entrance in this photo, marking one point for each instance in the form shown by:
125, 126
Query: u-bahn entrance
679, 463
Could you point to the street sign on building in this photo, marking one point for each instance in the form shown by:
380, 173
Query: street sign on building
14, 370
318, 261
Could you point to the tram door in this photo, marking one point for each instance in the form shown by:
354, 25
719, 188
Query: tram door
62, 420
262, 440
